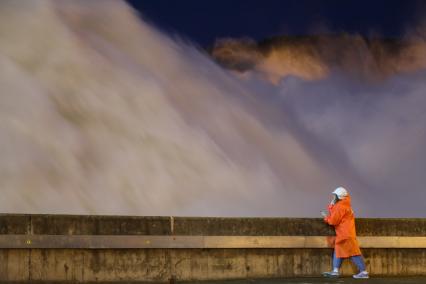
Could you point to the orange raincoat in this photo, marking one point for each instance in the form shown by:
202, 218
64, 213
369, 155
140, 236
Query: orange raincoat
342, 218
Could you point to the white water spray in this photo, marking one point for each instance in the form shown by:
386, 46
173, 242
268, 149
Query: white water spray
102, 114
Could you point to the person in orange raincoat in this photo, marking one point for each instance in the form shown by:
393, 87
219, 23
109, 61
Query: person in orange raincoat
341, 216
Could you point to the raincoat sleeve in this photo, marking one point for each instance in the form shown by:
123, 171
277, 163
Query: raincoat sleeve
335, 216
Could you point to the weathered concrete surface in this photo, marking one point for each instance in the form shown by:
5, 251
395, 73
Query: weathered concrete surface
158, 265
130, 225
83, 225
14, 265
295, 226
15, 224
99, 225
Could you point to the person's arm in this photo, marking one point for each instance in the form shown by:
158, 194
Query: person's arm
335, 216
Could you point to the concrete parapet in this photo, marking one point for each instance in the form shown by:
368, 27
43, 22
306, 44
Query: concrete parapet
115, 248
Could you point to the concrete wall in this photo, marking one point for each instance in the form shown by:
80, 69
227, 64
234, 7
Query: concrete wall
194, 264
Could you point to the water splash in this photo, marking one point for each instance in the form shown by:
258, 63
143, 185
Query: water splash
103, 114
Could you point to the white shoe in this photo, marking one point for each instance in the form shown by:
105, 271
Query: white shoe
361, 275
331, 274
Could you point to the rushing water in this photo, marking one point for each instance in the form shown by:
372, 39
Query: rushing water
101, 113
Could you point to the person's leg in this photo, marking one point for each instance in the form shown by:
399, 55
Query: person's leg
359, 262
337, 262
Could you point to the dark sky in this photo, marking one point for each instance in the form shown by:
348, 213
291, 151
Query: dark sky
202, 21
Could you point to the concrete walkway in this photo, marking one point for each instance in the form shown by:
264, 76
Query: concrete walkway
345, 280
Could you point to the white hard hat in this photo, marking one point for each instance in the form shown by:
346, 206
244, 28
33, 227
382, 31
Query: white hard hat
341, 192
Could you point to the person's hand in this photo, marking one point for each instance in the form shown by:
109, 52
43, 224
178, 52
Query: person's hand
334, 200
324, 213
